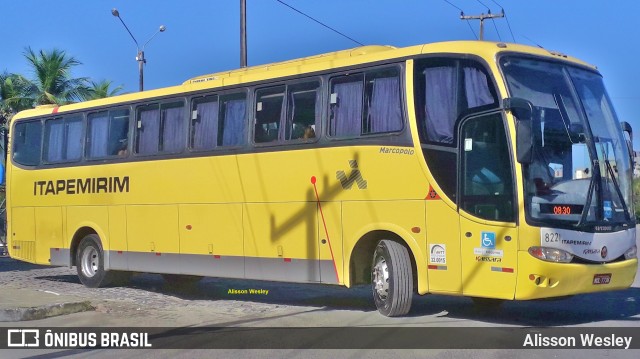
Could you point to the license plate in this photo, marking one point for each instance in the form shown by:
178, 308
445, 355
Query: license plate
602, 278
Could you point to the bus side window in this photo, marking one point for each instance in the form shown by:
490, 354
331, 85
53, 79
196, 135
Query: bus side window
27, 143
382, 99
63, 139
107, 134
232, 120
148, 129
203, 133
269, 103
303, 110
119, 132
346, 106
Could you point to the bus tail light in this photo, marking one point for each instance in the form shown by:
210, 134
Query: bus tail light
631, 253
551, 254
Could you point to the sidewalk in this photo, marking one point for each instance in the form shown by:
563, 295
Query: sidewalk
29, 304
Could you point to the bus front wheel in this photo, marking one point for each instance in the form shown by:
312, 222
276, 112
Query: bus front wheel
90, 262
392, 278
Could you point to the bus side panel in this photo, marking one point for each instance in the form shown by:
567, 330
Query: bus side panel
48, 232
152, 238
331, 252
211, 242
443, 240
118, 238
399, 217
281, 241
94, 217
22, 234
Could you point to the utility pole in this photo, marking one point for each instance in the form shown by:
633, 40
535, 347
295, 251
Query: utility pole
243, 33
482, 17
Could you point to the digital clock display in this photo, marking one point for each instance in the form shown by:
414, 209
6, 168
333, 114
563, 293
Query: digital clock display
561, 209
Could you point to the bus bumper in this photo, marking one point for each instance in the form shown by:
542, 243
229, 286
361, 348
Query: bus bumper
539, 279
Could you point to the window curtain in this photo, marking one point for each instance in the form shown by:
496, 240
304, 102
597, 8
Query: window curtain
476, 88
55, 141
98, 133
205, 128
440, 103
148, 135
318, 109
172, 129
384, 110
234, 120
74, 140
347, 113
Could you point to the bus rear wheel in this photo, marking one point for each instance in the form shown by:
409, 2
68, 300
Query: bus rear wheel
90, 262
392, 279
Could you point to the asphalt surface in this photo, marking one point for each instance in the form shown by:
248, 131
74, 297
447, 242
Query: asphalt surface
148, 301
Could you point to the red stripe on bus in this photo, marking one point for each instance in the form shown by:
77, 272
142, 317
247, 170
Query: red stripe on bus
324, 223
432, 266
216, 256
158, 254
507, 270
287, 259
119, 252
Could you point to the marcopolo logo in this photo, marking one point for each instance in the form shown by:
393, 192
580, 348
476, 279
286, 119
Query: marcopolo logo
23, 338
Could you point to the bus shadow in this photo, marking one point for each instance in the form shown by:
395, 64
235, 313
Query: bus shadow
265, 292
8, 264
622, 305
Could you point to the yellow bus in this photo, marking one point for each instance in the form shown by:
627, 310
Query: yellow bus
490, 170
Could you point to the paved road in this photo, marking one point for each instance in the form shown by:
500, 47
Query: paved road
148, 301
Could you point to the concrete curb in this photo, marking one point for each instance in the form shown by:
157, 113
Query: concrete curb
45, 311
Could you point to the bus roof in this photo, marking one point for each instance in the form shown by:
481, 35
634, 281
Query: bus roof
343, 58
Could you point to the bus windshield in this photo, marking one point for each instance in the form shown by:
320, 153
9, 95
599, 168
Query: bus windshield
581, 171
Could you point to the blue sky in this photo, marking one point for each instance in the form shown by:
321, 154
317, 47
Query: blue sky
203, 36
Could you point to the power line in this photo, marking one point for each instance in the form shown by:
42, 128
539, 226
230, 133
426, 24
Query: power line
506, 18
492, 19
319, 22
462, 14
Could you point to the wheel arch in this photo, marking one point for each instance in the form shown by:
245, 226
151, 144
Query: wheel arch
81, 232
360, 257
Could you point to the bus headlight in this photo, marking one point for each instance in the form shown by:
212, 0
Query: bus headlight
631, 253
551, 254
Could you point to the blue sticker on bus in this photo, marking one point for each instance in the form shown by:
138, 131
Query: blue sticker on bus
608, 211
488, 240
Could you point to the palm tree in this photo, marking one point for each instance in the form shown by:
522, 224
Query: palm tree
101, 89
15, 95
53, 82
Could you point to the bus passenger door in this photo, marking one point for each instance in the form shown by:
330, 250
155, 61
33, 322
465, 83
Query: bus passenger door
488, 233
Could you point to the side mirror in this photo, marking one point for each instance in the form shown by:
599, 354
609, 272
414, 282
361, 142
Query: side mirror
626, 127
524, 141
523, 111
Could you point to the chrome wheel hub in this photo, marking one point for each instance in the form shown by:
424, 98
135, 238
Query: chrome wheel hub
89, 261
381, 278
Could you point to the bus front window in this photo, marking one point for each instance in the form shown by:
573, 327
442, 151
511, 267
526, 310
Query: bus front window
580, 171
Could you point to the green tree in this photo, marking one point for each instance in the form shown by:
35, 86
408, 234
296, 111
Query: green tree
53, 83
15, 95
101, 89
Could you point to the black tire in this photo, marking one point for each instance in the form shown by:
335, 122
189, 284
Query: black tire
180, 280
90, 263
392, 279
